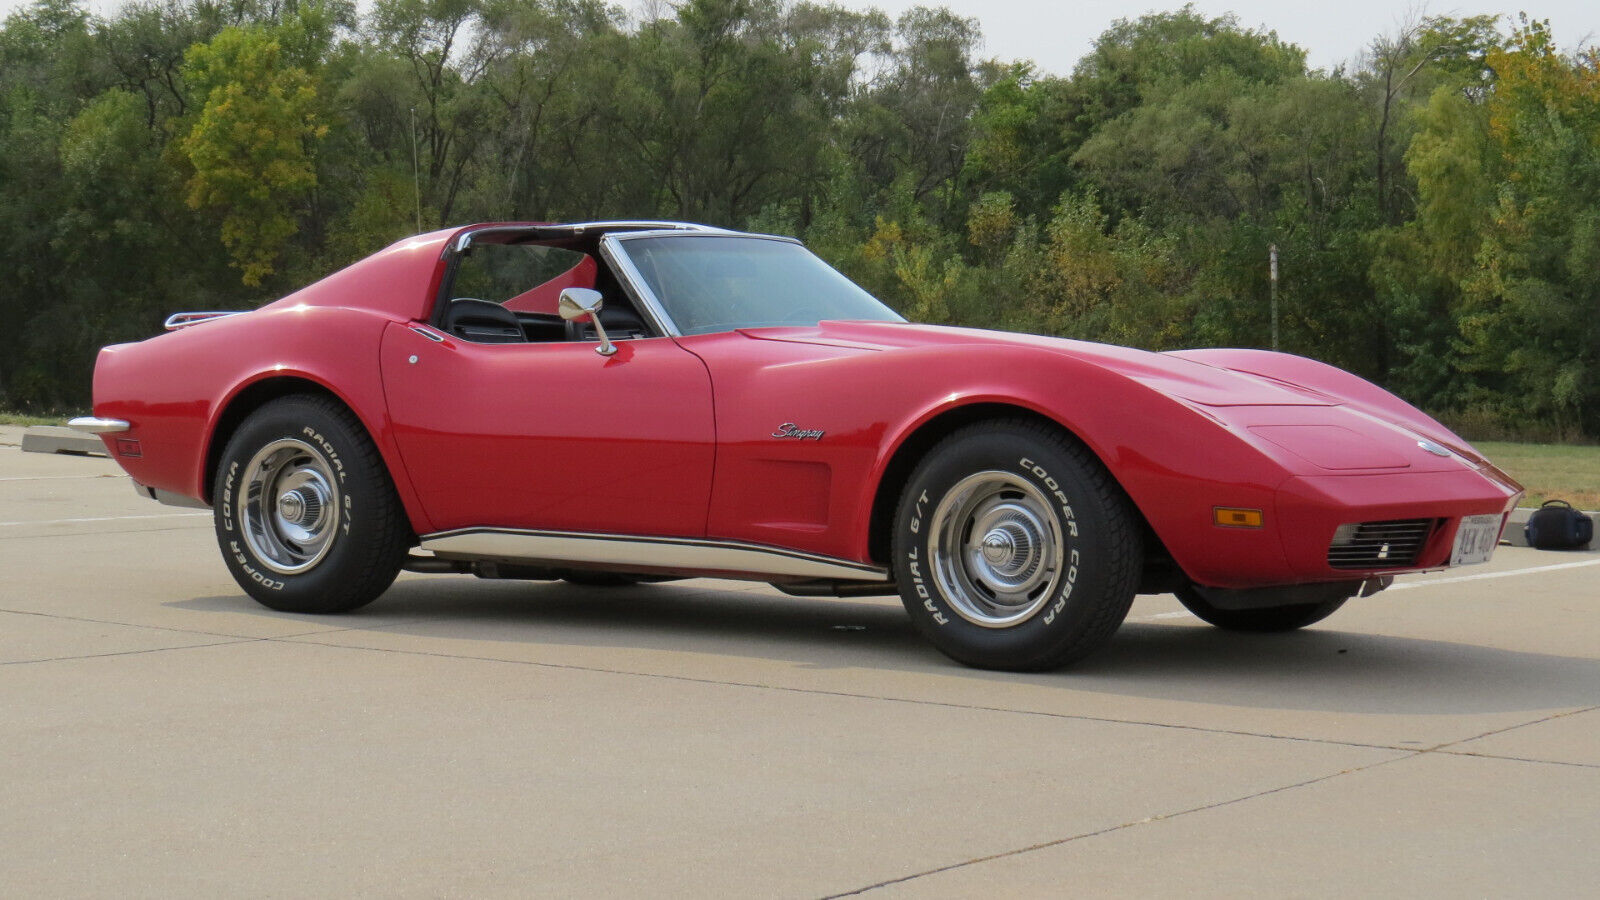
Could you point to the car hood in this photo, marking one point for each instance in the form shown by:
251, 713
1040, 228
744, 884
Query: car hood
1311, 417
1196, 382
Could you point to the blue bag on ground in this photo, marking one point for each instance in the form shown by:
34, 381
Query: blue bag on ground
1557, 526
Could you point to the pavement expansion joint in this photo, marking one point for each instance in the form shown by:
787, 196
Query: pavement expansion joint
99, 532
223, 634
1148, 820
756, 685
1494, 731
29, 662
1444, 749
1521, 759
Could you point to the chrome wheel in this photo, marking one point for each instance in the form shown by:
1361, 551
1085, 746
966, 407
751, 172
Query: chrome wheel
289, 509
996, 548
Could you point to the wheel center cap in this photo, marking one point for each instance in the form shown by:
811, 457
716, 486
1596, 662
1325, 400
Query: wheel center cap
998, 548
299, 506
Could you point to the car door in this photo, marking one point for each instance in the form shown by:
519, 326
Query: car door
541, 432
552, 436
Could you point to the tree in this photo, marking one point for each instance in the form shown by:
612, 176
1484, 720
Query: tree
1400, 66
251, 143
1530, 305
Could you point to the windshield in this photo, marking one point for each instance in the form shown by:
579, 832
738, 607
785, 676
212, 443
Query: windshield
717, 283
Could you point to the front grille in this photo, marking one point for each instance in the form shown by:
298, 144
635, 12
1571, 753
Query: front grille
1378, 545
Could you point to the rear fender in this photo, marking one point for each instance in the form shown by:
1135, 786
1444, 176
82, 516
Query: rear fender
182, 390
251, 395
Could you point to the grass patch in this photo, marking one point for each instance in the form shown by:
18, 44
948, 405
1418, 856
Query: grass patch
11, 418
1549, 471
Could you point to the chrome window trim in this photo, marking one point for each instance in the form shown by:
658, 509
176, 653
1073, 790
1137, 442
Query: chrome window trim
633, 280
705, 232
465, 238
688, 555
637, 225
632, 283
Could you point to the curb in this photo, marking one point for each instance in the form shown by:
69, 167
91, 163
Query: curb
59, 439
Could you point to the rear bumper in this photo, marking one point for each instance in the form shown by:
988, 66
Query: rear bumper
168, 498
94, 425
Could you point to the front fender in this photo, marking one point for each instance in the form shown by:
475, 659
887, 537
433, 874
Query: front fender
1174, 460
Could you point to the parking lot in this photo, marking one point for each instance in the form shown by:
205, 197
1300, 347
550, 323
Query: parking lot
162, 734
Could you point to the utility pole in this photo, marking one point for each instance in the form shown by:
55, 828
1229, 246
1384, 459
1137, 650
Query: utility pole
1272, 256
416, 186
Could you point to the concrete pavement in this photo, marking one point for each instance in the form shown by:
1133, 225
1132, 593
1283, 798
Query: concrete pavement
161, 734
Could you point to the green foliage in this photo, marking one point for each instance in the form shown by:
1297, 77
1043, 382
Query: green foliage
1137, 61
1435, 206
1121, 285
251, 143
1017, 144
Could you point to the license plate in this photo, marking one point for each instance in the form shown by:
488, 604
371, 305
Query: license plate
1475, 540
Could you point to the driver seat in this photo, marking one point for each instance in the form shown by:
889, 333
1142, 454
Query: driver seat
621, 324
482, 322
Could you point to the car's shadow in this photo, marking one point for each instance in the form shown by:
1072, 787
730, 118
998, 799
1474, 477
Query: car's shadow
1321, 668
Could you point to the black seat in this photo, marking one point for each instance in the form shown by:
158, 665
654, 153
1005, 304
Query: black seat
622, 322
482, 322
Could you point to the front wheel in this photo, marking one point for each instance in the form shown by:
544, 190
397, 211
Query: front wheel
1263, 619
305, 513
1014, 548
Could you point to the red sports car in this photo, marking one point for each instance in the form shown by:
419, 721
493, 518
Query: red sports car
642, 400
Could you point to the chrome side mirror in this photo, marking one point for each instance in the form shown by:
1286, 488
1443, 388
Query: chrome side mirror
580, 304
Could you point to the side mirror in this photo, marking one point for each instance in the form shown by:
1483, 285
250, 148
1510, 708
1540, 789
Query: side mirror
581, 304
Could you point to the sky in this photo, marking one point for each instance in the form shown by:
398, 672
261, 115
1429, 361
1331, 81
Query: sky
1055, 33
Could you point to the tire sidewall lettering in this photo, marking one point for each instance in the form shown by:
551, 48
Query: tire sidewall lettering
1079, 581
238, 554
1069, 521
225, 501
242, 560
920, 586
336, 462
332, 455
1053, 488
917, 552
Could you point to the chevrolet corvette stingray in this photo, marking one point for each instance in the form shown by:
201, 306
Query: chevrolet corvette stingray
624, 401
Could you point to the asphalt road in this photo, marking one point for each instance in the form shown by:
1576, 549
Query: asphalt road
161, 734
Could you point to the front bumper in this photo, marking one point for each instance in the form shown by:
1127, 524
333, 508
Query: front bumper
1308, 510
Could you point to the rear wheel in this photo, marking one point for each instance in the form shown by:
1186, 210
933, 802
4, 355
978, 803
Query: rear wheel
1014, 548
305, 513
1287, 617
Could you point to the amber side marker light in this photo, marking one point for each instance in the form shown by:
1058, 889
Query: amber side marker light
1228, 517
